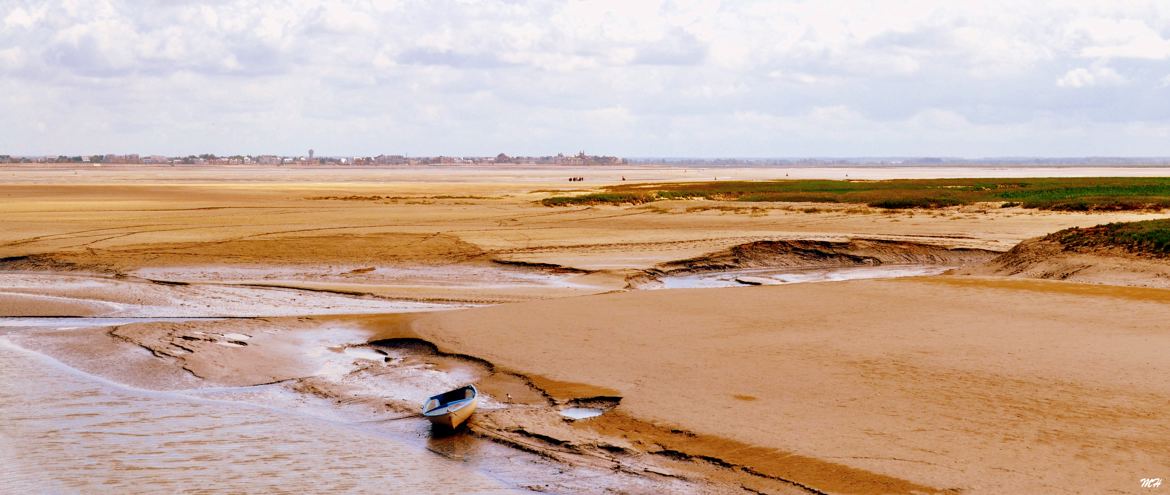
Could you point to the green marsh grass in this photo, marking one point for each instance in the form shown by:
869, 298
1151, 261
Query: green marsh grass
1067, 194
1150, 237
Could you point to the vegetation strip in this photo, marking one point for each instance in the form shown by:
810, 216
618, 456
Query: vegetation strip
1149, 237
1066, 194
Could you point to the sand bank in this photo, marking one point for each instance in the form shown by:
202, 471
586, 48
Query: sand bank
919, 385
119, 221
1042, 258
985, 387
1006, 385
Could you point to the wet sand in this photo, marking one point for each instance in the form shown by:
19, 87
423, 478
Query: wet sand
982, 387
929, 384
135, 441
358, 404
772, 276
795, 387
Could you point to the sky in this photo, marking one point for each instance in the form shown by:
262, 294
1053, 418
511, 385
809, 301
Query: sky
629, 78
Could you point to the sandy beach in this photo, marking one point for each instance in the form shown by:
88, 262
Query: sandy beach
356, 292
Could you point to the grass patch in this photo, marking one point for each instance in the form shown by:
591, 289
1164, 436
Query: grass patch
903, 203
599, 199
1150, 237
1069, 194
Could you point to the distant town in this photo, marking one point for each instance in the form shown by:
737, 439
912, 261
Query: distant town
579, 159
312, 159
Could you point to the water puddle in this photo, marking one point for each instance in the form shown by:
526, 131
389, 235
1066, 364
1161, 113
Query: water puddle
73, 295
578, 413
774, 276
366, 353
89, 424
83, 435
69, 322
446, 276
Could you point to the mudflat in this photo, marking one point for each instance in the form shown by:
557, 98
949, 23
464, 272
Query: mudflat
140, 216
979, 384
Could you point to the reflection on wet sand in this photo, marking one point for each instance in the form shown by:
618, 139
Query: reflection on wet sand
771, 276
339, 411
351, 424
65, 432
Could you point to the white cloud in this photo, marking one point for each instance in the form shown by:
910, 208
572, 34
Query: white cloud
833, 77
1082, 77
339, 20
11, 59
939, 119
800, 77
834, 115
1121, 38
21, 18
609, 120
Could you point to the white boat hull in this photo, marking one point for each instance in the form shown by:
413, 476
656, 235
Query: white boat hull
455, 418
451, 409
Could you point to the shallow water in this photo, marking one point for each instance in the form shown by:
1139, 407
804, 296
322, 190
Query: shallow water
69, 322
581, 412
67, 431
454, 275
112, 297
773, 276
365, 353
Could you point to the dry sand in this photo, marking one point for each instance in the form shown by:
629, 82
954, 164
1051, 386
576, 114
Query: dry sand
984, 385
129, 218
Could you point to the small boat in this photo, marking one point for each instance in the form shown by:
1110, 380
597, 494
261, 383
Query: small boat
451, 409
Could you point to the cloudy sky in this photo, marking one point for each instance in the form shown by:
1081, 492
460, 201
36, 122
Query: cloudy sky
671, 78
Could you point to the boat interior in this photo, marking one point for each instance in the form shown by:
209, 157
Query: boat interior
449, 400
